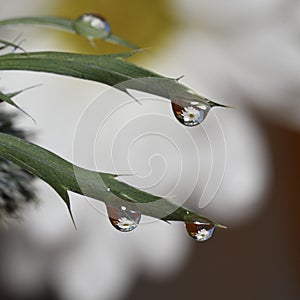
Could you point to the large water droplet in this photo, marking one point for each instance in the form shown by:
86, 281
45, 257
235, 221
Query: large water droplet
123, 219
189, 114
92, 26
200, 231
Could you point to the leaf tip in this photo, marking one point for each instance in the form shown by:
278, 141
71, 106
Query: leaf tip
221, 226
71, 214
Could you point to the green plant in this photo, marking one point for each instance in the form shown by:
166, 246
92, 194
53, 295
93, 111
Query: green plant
124, 203
16, 188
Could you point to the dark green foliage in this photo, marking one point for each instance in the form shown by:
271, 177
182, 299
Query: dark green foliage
15, 183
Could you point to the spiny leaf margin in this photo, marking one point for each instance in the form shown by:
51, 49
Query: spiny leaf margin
63, 176
111, 69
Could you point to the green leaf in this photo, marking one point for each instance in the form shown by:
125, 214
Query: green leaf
76, 26
109, 69
6, 44
114, 39
8, 99
63, 176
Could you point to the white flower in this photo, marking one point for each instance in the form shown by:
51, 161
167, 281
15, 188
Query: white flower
126, 224
191, 115
202, 235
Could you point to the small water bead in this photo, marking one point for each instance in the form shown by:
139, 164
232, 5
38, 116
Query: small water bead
92, 26
200, 231
122, 218
189, 114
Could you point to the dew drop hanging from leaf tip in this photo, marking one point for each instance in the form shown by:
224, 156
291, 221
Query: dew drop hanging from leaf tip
200, 231
123, 219
189, 114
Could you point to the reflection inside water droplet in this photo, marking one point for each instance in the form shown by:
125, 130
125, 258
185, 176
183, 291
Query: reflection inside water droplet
92, 26
189, 114
200, 231
123, 219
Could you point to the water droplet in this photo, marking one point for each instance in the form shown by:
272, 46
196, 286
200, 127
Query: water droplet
92, 26
123, 219
200, 231
189, 114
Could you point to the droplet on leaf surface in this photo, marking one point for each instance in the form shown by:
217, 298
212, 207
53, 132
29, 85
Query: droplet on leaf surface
123, 219
189, 114
92, 26
200, 231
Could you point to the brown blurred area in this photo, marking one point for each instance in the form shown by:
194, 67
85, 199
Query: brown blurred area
258, 260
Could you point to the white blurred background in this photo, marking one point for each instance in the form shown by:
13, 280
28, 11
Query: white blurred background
241, 54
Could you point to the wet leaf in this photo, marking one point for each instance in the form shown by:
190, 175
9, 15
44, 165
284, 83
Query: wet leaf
85, 25
63, 176
110, 69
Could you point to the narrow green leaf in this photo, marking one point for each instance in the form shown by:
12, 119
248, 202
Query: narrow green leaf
6, 44
8, 99
54, 22
109, 69
90, 26
114, 39
63, 176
